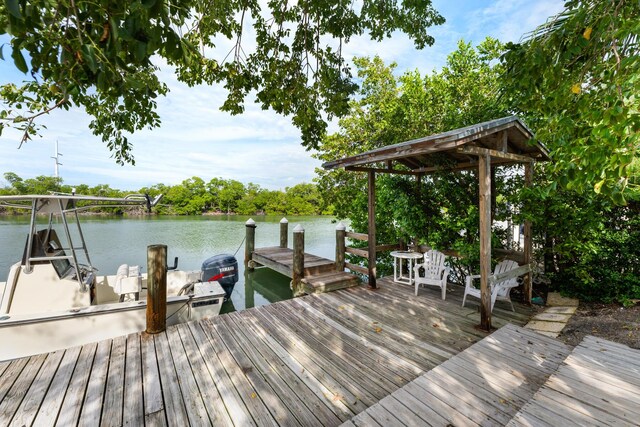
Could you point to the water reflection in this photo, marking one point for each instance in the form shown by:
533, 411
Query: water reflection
113, 241
260, 287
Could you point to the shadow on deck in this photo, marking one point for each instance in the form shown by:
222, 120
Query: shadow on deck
314, 360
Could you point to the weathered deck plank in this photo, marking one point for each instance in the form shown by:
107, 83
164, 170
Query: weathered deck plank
114, 394
92, 404
598, 384
48, 412
321, 356
232, 401
292, 388
380, 375
213, 402
279, 408
133, 405
15, 394
194, 405
72, 403
153, 402
486, 384
315, 360
32, 399
281, 260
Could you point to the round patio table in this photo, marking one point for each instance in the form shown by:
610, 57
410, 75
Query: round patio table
398, 260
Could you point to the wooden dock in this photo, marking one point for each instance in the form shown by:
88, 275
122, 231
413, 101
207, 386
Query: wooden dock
485, 384
354, 356
320, 274
314, 360
598, 384
281, 260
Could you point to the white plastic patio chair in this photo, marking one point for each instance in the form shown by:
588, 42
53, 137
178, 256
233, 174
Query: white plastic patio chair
499, 290
435, 272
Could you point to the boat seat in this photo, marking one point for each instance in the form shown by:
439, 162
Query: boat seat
128, 281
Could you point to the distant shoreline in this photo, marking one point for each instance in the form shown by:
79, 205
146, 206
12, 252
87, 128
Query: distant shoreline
26, 213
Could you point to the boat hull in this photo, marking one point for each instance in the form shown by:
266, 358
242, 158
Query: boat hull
27, 335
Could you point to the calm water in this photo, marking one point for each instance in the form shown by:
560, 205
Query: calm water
114, 240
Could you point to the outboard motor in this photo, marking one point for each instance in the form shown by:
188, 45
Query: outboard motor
222, 268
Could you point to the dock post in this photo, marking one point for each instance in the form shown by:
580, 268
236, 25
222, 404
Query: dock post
284, 232
156, 288
298, 261
249, 243
340, 246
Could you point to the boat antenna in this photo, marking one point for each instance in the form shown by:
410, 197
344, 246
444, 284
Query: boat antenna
56, 157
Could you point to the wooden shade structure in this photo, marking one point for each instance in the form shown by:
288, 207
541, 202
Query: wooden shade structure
482, 146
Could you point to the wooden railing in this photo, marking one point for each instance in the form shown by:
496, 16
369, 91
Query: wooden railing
361, 252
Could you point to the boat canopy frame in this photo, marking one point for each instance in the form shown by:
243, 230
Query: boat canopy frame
62, 204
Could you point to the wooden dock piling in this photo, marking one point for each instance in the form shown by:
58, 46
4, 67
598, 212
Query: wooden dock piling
156, 288
249, 243
341, 231
309, 273
284, 232
298, 261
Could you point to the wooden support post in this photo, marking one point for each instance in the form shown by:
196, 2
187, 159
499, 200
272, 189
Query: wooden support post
284, 232
494, 193
372, 230
484, 176
249, 294
249, 243
156, 288
298, 261
340, 246
528, 242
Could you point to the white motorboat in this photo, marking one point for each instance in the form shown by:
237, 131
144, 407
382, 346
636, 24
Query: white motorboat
54, 298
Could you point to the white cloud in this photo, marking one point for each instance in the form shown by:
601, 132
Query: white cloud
197, 139
509, 20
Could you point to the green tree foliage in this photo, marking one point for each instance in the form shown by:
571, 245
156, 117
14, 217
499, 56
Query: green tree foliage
302, 199
39, 185
193, 196
577, 78
590, 247
393, 109
97, 55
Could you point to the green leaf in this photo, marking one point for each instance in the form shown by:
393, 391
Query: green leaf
13, 7
141, 51
18, 59
89, 56
619, 198
114, 28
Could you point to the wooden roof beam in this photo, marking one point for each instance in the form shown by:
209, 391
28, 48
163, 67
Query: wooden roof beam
503, 141
460, 167
478, 151
431, 144
380, 170
410, 162
427, 170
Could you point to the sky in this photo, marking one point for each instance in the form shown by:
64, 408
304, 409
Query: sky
197, 139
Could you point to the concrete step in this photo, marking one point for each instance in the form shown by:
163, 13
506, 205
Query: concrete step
331, 281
